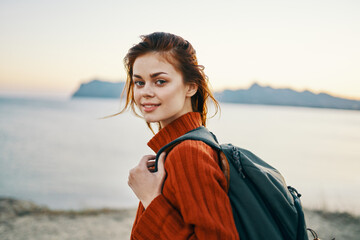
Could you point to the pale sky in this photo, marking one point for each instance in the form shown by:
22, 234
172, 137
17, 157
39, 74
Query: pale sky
50, 47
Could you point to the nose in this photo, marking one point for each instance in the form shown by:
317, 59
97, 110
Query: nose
147, 91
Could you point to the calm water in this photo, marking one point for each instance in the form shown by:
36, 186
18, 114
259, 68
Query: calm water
59, 153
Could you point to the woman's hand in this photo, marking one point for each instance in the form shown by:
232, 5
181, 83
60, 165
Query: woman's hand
145, 184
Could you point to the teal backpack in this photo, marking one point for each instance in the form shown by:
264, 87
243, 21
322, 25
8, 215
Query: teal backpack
263, 206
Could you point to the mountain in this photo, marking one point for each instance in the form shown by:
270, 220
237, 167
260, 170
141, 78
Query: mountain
100, 89
255, 94
266, 95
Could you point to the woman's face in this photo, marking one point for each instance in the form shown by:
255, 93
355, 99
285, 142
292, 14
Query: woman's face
159, 89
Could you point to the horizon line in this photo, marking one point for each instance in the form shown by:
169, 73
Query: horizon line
63, 93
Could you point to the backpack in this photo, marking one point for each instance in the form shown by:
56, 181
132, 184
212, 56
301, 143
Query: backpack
263, 206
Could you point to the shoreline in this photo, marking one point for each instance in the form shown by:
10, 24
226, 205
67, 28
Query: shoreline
21, 219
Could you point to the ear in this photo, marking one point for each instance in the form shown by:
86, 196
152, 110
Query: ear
192, 89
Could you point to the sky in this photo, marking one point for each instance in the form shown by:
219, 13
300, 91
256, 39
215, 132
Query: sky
50, 47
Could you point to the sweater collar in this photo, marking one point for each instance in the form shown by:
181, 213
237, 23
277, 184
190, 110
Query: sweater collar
175, 129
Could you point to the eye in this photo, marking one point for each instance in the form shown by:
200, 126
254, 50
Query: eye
160, 82
139, 83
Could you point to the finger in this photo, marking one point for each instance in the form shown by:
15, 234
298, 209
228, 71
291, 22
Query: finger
151, 165
129, 179
161, 161
151, 162
145, 159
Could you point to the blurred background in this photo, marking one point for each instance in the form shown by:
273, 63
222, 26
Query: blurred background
55, 151
49, 47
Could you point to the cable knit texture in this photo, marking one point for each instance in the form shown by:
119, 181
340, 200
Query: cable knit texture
194, 203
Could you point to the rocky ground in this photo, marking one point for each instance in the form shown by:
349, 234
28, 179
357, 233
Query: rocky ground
330, 225
26, 220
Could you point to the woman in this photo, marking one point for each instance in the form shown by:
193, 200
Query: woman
165, 82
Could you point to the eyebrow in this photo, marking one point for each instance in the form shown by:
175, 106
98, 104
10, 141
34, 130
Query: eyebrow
151, 75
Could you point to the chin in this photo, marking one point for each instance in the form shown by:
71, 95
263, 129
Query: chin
151, 120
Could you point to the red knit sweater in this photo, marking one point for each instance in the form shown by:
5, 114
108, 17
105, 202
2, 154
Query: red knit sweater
194, 203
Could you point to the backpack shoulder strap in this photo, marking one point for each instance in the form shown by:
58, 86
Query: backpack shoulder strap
204, 135
200, 134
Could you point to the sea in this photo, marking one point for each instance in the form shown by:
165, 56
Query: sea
64, 153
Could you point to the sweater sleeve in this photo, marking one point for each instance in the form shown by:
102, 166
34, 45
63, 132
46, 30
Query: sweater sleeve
201, 209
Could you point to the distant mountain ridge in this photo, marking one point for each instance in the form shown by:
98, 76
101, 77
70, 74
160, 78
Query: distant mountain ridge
255, 94
266, 95
99, 89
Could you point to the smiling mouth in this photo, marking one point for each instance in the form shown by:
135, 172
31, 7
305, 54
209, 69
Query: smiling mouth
150, 107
